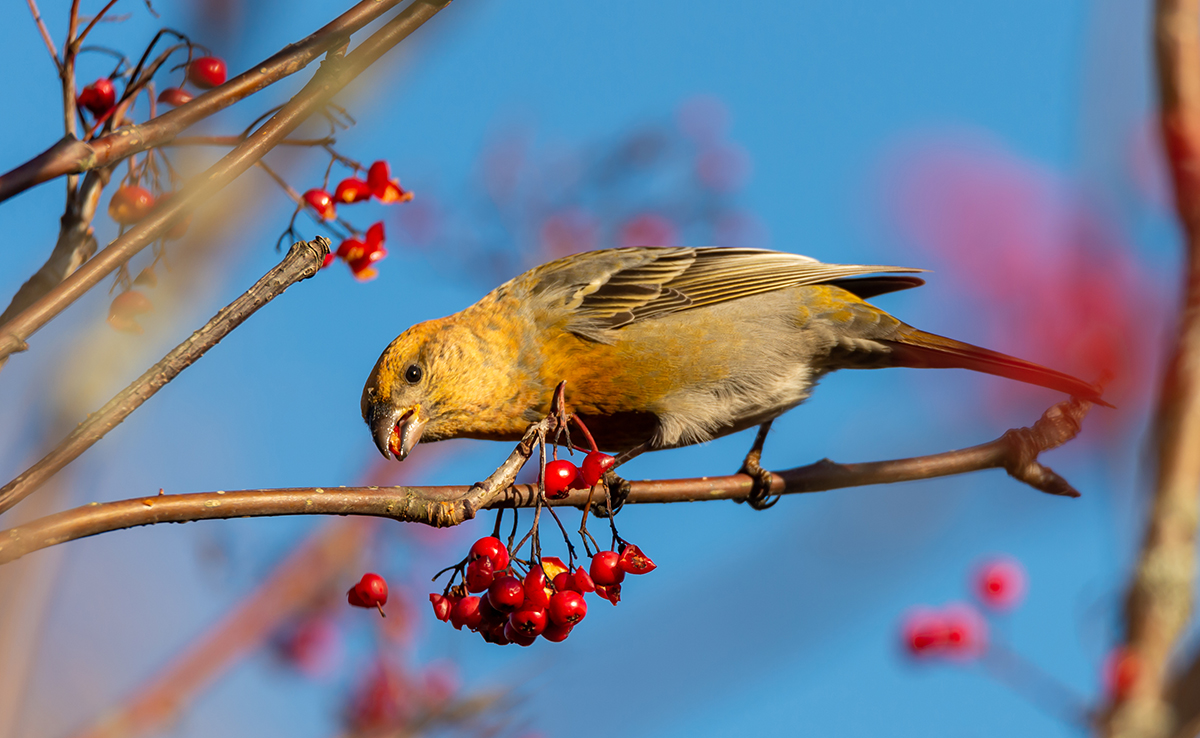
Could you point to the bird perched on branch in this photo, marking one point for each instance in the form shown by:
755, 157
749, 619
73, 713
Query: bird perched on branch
659, 347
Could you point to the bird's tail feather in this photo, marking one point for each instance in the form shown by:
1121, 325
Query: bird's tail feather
918, 349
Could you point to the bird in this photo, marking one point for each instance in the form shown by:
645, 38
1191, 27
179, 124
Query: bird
660, 347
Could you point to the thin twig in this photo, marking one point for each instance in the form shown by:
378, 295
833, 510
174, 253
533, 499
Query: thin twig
301, 262
41, 26
96, 19
1159, 600
329, 80
446, 506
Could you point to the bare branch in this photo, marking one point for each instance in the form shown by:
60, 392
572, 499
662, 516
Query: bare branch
446, 506
1159, 601
334, 74
301, 262
41, 26
235, 140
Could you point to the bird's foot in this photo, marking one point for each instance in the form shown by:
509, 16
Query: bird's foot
616, 491
760, 497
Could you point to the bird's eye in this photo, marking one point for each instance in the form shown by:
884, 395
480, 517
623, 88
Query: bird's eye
413, 374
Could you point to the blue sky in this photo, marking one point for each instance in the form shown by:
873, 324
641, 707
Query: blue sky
776, 623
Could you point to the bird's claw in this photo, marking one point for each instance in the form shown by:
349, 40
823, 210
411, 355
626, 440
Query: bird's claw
616, 492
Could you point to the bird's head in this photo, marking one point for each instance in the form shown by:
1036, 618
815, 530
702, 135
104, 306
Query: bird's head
400, 399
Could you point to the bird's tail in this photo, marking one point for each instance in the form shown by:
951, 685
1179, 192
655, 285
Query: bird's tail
918, 349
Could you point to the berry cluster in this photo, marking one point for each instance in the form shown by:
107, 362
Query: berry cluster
100, 97
360, 254
548, 601
960, 630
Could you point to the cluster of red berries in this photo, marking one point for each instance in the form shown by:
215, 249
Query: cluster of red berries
359, 254
960, 630
562, 476
370, 592
99, 97
548, 602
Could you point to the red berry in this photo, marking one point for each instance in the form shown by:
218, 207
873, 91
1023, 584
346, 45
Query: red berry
605, 569
612, 593
595, 466
352, 190
320, 201
328, 259
207, 72
466, 612
583, 581
441, 606
370, 591
98, 97
560, 475
515, 636
494, 549
496, 633
480, 575
122, 314
1000, 583
506, 593
633, 561
564, 582
966, 631
528, 621
536, 595
129, 204
924, 632
567, 608
1121, 670
490, 616
383, 186
556, 633
174, 96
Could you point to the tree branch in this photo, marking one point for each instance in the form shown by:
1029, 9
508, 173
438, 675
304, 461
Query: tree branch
71, 156
1015, 451
301, 262
1159, 600
334, 74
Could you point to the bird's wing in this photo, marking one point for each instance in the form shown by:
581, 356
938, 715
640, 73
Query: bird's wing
611, 289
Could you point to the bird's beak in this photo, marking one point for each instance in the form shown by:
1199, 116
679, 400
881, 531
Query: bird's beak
396, 432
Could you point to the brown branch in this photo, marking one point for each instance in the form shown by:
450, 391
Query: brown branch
235, 140
301, 262
334, 74
41, 26
1015, 451
1159, 601
71, 156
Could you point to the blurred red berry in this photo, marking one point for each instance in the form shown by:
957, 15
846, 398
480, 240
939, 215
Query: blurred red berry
467, 613
1121, 670
560, 475
612, 593
966, 631
370, 591
494, 549
595, 465
129, 204
98, 97
383, 187
328, 259
515, 636
352, 190
125, 307
648, 229
207, 72
506, 593
567, 608
309, 646
583, 581
606, 569
633, 561
321, 202
556, 633
441, 606
480, 574
174, 96
924, 631
536, 595
1000, 583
